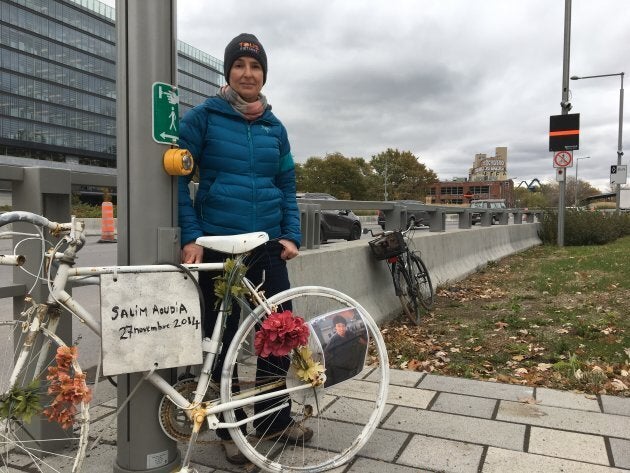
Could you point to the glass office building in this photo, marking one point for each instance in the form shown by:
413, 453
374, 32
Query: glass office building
58, 80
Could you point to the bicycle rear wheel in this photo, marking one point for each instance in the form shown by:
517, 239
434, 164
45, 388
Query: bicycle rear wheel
422, 279
408, 292
21, 444
342, 416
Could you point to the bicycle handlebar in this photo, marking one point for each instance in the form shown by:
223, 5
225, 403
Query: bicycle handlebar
73, 228
29, 217
12, 260
387, 232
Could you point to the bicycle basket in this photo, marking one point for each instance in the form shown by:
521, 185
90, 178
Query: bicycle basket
387, 246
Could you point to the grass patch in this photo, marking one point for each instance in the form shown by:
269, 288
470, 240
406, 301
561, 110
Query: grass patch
553, 317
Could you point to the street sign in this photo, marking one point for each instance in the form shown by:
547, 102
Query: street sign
165, 113
563, 159
561, 174
564, 132
618, 174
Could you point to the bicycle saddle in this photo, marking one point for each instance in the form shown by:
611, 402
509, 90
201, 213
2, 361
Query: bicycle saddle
233, 244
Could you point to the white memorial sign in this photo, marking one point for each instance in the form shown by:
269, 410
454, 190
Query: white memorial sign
148, 320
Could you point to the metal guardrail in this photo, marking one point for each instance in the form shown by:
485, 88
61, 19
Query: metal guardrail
396, 215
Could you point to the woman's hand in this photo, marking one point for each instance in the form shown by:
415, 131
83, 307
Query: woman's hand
289, 250
192, 253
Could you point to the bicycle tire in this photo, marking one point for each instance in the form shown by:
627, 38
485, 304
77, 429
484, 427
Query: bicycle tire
18, 448
407, 289
343, 415
425, 287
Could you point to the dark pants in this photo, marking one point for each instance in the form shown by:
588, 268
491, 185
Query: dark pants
264, 259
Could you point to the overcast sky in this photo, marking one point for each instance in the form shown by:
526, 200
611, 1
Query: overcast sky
444, 79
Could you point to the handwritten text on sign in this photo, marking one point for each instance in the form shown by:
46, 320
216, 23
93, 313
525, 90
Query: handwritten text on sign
149, 319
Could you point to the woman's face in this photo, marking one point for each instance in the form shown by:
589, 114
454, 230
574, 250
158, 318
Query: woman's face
246, 78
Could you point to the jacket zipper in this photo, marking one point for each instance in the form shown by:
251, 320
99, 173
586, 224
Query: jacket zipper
252, 176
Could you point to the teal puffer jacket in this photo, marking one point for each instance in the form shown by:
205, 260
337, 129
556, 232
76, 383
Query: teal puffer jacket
246, 175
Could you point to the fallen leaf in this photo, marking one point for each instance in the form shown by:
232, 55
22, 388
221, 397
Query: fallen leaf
529, 400
562, 331
543, 366
477, 348
500, 325
520, 371
618, 385
518, 357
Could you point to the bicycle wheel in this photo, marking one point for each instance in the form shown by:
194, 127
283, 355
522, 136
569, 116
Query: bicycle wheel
408, 292
424, 286
20, 446
342, 416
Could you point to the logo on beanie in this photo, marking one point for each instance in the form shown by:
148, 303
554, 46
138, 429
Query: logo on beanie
249, 47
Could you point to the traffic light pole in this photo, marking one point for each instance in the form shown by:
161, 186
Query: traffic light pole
147, 207
620, 141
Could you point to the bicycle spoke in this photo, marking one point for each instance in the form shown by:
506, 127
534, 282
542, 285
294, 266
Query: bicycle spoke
18, 447
341, 416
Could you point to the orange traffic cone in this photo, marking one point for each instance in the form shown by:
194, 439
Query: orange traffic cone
107, 223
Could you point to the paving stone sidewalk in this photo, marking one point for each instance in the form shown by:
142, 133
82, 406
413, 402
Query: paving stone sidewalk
443, 424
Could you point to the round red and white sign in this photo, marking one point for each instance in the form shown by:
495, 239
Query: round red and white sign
563, 159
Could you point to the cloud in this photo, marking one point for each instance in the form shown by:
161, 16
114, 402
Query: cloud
442, 79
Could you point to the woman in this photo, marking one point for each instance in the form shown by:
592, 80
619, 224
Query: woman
246, 184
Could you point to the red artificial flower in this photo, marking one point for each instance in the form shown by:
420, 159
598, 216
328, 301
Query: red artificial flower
280, 333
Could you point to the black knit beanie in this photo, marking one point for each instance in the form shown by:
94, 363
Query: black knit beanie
244, 44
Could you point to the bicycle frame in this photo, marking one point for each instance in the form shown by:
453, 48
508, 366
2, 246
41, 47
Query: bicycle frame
197, 410
401, 259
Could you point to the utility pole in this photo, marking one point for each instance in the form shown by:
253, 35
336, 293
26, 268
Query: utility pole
566, 106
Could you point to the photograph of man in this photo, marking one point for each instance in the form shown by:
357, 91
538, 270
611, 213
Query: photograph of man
344, 354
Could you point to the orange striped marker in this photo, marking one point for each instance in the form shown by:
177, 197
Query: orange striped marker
108, 232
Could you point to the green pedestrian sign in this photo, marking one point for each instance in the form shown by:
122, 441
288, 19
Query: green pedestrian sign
165, 113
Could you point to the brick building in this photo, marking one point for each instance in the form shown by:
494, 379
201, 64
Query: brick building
462, 192
487, 179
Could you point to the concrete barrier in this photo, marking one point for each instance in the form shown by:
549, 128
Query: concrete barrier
451, 256
351, 268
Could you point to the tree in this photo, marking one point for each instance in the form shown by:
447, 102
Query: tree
551, 192
406, 177
525, 198
345, 178
584, 189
